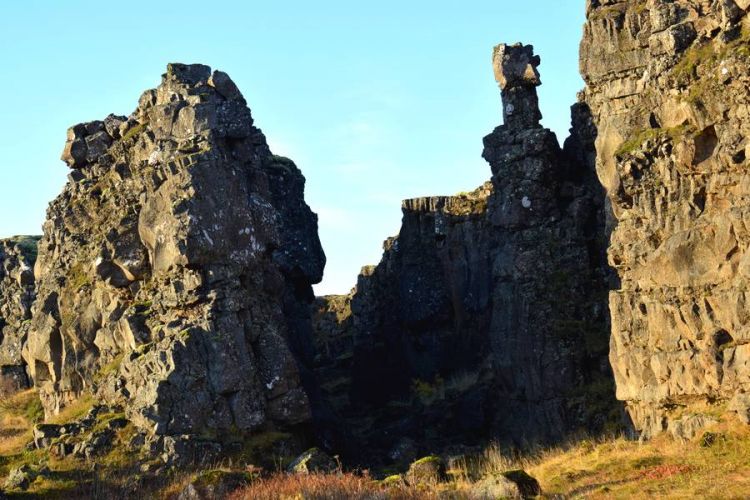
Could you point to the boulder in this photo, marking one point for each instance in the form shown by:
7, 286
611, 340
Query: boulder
312, 461
427, 470
740, 404
20, 478
510, 484
45, 433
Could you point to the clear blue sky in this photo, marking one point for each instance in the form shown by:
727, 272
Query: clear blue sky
375, 101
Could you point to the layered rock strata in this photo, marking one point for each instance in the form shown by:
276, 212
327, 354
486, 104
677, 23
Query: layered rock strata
669, 88
486, 317
17, 256
174, 275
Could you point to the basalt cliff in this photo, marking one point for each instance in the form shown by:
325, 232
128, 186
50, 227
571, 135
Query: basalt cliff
487, 317
17, 257
667, 85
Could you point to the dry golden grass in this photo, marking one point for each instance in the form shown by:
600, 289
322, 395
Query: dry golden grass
661, 468
74, 410
15, 421
605, 468
337, 486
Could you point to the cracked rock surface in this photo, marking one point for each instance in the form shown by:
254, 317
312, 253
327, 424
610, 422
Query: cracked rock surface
668, 86
17, 257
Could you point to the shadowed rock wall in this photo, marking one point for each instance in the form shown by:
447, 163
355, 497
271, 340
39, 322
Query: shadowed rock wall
486, 317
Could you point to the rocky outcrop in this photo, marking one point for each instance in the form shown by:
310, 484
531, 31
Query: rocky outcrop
668, 86
486, 317
17, 257
174, 275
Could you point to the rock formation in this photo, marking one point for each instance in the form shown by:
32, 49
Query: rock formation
17, 256
486, 317
173, 279
668, 85
174, 275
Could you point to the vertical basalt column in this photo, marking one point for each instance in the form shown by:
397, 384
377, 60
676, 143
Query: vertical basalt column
516, 73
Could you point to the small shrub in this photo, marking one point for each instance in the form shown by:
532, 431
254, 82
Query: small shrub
646, 462
426, 392
134, 131
34, 411
711, 438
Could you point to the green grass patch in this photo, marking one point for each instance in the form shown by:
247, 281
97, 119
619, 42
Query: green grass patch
134, 131
640, 137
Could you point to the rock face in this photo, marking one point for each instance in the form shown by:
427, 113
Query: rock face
17, 257
174, 275
486, 317
668, 85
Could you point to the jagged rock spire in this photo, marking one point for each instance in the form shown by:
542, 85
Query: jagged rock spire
175, 266
515, 72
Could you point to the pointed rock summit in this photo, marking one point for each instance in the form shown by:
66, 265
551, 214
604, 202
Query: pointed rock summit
516, 73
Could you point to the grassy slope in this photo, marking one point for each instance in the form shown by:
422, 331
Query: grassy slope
663, 467
608, 468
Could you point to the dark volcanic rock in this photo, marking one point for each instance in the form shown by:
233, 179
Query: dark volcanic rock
175, 271
17, 258
486, 317
668, 86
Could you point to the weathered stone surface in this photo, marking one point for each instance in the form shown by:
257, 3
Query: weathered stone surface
516, 73
17, 257
486, 317
668, 86
174, 275
740, 404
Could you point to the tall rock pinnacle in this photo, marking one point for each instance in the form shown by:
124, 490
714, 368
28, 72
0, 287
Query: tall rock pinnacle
516, 73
